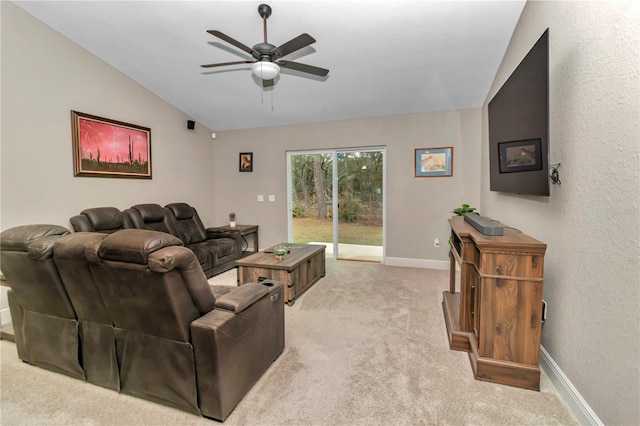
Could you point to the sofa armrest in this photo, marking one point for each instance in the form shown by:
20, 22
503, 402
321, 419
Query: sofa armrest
241, 298
222, 233
232, 350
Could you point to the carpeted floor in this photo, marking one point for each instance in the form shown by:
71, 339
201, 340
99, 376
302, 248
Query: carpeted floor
366, 345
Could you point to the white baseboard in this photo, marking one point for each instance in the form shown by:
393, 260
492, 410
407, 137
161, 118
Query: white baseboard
416, 263
570, 395
5, 316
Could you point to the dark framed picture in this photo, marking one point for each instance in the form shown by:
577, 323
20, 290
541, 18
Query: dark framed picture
109, 148
246, 161
520, 156
434, 162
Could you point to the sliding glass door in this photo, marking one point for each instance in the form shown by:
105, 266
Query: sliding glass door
336, 198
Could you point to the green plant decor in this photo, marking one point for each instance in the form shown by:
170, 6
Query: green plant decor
465, 208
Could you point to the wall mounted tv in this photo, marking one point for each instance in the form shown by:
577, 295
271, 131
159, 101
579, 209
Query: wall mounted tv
519, 126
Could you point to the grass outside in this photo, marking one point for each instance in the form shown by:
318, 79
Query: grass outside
307, 229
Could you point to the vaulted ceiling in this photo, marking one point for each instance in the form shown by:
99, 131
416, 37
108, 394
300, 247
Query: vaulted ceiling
385, 57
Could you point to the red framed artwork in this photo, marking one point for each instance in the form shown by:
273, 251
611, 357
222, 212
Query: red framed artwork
110, 148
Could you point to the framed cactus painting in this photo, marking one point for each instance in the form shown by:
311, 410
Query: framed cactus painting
110, 148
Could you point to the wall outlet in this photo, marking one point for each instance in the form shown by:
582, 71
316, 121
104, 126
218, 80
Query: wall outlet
544, 311
436, 242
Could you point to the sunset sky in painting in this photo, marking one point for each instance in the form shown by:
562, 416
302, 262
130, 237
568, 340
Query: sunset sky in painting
113, 142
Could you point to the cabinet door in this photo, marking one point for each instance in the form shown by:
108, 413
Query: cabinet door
315, 267
509, 325
476, 297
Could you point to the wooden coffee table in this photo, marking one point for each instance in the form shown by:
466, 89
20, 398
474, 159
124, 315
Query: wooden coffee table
302, 267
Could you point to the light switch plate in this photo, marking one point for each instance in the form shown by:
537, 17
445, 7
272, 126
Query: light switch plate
261, 198
272, 197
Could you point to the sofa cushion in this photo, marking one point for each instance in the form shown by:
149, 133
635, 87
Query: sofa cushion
182, 211
150, 212
190, 228
104, 219
226, 246
135, 245
34, 239
204, 254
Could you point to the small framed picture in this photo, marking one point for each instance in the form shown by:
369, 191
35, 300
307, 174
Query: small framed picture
246, 161
434, 162
520, 156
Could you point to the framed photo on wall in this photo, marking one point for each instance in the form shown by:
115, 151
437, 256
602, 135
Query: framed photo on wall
109, 148
246, 161
434, 162
520, 156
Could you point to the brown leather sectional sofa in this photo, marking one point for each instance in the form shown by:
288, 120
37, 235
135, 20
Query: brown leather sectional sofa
215, 250
132, 311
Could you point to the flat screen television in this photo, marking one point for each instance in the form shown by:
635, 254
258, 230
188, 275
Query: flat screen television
519, 126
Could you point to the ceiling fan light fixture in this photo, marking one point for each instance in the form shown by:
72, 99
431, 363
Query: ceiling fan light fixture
265, 70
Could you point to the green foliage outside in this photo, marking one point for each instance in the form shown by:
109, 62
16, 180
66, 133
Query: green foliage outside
349, 211
359, 183
359, 191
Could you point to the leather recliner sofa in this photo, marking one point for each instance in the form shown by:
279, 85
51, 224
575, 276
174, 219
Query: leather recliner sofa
216, 250
159, 331
177, 343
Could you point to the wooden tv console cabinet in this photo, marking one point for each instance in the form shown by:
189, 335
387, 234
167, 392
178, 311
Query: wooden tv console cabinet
497, 315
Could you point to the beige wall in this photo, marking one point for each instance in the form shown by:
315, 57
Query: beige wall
44, 76
590, 222
417, 208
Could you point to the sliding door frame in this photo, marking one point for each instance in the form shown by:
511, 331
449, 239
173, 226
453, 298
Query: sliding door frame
335, 200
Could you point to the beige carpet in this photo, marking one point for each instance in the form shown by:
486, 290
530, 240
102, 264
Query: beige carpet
366, 345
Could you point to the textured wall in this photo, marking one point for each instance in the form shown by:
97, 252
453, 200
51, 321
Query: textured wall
591, 221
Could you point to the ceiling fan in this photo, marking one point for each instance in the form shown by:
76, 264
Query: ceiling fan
266, 57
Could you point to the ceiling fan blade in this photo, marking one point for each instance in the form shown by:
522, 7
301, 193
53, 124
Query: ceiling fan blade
267, 83
303, 40
234, 42
226, 63
310, 69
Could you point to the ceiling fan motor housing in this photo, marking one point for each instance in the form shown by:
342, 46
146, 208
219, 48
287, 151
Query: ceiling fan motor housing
264, 48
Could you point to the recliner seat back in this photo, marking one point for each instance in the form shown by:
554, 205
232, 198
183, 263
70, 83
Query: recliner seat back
105, 220
43, 317
190, 227
216, 252
152, 217
96, 326
154, 288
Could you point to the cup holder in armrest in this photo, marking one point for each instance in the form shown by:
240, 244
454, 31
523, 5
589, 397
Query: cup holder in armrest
263, 281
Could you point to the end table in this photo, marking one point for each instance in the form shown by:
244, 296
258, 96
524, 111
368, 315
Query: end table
243, 230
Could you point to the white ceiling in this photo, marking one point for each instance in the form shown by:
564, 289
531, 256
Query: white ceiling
385, 57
